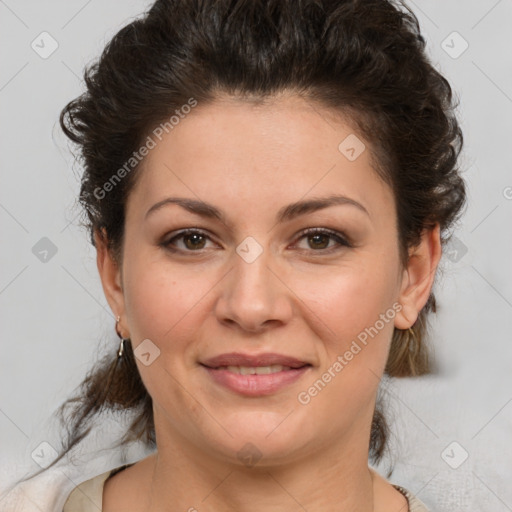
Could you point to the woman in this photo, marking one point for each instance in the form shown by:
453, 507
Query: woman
268, 186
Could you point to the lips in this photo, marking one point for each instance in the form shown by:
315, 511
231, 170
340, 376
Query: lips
255, 375
266, 359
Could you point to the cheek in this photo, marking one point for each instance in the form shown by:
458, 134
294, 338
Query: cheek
172, 306
356, 321
161, 300
348, 301
163, 305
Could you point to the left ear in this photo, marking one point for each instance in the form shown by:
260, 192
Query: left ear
418, 277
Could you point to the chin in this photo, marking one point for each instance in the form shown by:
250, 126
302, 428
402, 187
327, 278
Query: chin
264, 437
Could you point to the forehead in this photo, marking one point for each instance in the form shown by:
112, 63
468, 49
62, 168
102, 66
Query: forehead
259, 153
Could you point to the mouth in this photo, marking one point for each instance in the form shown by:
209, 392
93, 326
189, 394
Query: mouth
255, 375
265, 360
257, 370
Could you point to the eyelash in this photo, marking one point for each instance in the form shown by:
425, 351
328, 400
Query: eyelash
340, 239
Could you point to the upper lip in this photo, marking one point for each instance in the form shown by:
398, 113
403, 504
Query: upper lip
265, 359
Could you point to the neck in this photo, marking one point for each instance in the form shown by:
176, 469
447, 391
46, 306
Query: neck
331, 480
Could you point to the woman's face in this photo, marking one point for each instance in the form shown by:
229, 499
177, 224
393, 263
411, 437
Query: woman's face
251, 282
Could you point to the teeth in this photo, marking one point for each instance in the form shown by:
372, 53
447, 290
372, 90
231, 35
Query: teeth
255, 370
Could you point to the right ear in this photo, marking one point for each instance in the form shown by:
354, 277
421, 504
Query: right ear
111, 280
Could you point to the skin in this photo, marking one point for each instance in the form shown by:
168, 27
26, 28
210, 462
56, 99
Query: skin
296, 298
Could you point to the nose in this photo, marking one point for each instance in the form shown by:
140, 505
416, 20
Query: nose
253, 297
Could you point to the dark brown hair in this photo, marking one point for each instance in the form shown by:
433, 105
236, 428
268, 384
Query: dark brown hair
364, 59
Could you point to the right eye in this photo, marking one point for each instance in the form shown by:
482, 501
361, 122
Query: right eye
192, 240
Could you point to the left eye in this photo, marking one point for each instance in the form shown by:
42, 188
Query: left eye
319, 239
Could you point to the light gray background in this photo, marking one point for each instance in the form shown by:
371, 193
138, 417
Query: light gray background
55, 320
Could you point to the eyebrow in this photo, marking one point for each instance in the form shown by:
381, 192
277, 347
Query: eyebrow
286, 213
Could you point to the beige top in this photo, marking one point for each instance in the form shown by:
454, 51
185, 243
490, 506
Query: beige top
88, 496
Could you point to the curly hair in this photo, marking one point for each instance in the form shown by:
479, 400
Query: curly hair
364, 59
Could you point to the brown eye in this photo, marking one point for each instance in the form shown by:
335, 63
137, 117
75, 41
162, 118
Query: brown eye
187, 241
194, 241
319, 240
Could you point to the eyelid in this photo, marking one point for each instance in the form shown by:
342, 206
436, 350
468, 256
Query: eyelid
183, 232
341, 238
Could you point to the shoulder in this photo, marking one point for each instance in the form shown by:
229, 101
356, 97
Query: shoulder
88, 496
415, 505
394, 497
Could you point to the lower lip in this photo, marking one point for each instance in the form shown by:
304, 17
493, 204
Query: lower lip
256, 385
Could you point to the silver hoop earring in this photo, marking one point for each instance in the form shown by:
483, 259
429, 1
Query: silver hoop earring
121, 349
121, 344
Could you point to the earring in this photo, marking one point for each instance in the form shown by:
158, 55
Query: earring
121, 344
